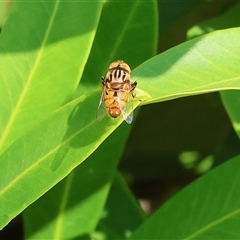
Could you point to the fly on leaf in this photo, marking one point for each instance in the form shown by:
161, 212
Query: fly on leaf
117, 93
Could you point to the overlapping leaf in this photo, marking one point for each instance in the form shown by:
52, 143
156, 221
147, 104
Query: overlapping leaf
207, 209
182, 90
45, 149
204, 64
77, 201
228, 19
119, 222
42, 57
130, 34
42, 157
47, 153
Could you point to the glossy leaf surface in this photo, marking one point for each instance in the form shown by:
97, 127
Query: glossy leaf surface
45, 148
42, 57
206, 209
205, 64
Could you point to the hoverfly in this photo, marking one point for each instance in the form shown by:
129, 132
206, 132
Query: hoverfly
117, 87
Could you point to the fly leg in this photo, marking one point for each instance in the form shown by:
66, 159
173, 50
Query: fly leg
103, 80
133, 86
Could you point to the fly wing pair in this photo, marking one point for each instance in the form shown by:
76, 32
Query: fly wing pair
127, 111
117, 87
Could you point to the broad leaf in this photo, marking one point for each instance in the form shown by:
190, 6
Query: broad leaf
209, 208
229, 19
231, 100
73, 133
105, 158
122, 213
73, 207
204, 64
42, 56
46, 154
69, 136
125, 32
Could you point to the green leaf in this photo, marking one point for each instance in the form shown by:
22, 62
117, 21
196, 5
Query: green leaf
82, 195
231, 100
50, 151
204, 64
42, 58
77, 201
207, 209
126, 31
122, 213
102, 162
229, 19
5, 6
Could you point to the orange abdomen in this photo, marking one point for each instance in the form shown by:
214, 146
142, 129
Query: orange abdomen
115, 102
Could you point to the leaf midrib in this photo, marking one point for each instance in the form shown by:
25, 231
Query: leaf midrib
118, 42
62, 207
15, 111
214, 223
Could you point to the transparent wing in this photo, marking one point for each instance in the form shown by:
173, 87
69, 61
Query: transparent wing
127, 112
101, 112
